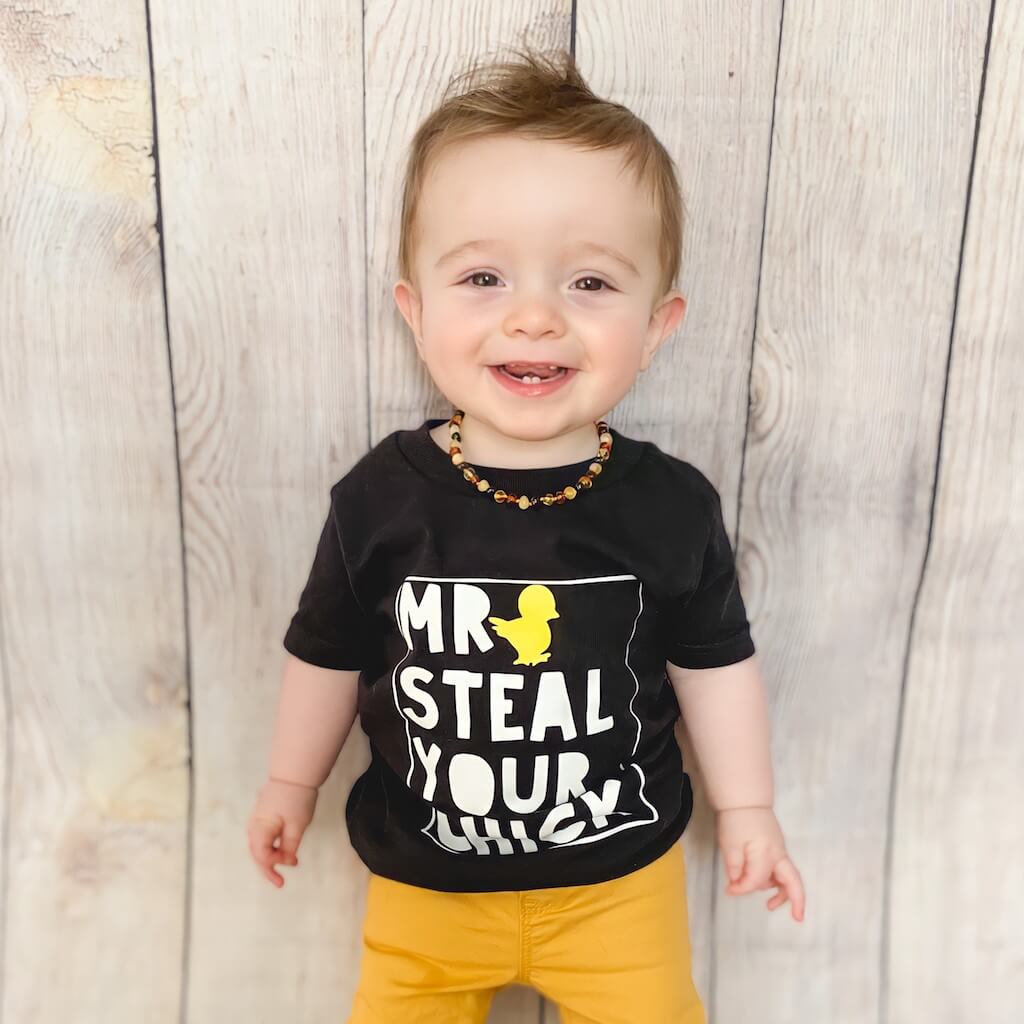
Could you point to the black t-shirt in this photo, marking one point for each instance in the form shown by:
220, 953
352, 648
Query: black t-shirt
512, 662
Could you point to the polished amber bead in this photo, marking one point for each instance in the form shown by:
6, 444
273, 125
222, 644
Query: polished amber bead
458, 459
455, 435
483, 485
569, 492
524, 501
585, 481
605, 438
559, 498
499, 496
548, 499
470, 475
595, 468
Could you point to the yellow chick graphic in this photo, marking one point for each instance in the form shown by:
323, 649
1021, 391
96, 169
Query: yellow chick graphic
530, 634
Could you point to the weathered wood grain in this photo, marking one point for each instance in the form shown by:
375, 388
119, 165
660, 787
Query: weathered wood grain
872, 144
956, 935
260, 129
90, 562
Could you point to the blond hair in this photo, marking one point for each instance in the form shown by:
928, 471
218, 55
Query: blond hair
542, 97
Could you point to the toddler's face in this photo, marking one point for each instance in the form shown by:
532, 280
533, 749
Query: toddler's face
507, 269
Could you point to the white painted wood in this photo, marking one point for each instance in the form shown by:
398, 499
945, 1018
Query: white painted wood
872, 144
90, 562
956, 940
708, 96
260, 121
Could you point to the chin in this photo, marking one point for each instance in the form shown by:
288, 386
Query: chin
535, 425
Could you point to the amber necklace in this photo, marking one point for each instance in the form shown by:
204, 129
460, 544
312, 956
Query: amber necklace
559, 497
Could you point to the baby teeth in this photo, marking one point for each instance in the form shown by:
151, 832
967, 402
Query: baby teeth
530, 378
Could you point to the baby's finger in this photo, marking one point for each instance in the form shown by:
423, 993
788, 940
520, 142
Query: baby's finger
778, 899
735, 859
272, 875
261, 845
789, 878
290, 839
758, 871
262, 835
276, 857
265, 857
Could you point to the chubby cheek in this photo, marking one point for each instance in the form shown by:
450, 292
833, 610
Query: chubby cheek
451, 346
615, 380
445, 316
614, 346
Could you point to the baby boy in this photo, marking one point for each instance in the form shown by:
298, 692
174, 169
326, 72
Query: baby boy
519, 601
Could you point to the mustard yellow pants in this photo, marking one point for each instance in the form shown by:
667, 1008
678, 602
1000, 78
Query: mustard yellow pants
615, 952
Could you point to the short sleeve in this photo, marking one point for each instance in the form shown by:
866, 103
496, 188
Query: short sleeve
708, 627
329, 628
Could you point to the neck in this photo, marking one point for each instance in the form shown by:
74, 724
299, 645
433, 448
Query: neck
484, 446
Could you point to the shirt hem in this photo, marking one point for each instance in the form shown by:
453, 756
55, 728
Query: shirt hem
591, 876
712, 656
315, 652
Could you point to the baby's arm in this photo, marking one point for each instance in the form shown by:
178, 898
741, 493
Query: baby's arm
316, 709
315, 712
726, 714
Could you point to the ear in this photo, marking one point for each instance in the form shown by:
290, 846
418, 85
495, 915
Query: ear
664, 320
411, 308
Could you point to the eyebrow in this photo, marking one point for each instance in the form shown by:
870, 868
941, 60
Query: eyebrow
465, 247
588, 247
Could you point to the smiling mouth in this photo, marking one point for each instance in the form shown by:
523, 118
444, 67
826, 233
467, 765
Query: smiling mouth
531, 373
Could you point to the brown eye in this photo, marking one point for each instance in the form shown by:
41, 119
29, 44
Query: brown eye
481, 273
597, 280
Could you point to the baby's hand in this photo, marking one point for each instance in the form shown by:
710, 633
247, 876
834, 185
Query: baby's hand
281, 814
755, 857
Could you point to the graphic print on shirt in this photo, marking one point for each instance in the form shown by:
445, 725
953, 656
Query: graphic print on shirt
517, 698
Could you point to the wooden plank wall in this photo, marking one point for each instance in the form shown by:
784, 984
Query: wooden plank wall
95, 814
197, 338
